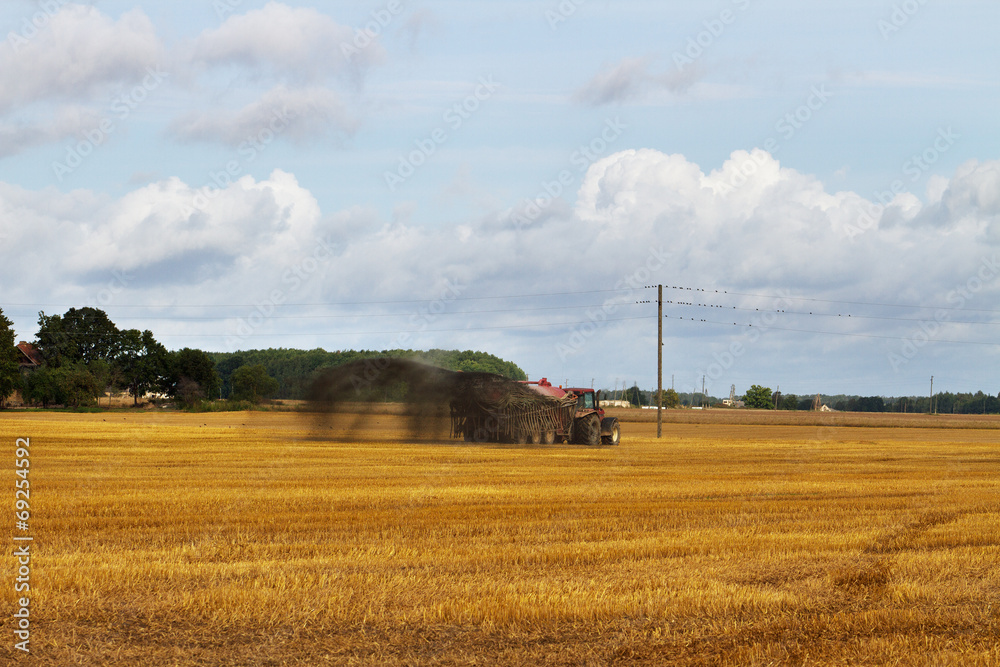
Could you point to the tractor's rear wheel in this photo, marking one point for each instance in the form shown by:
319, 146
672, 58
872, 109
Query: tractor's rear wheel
588, 430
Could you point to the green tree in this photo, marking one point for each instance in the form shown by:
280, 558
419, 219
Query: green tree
634, 395
72, 385
43, 386
141, 364
80, 335
10, 370
758, 397
252, 383
669, 398
789, 402
80, 387
191, 376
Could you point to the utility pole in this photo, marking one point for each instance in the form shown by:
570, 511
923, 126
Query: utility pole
659, 363
930, 403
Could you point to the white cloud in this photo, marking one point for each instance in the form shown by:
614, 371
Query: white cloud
774, 229
297, 43
778, 227
155, 233
294, 115
80, 54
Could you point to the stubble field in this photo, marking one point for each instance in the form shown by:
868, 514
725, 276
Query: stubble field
172, 539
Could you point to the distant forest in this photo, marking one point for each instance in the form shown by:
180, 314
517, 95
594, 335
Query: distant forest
294, 369
969, 403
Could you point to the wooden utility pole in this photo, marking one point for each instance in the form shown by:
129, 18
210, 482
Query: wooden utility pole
659, 362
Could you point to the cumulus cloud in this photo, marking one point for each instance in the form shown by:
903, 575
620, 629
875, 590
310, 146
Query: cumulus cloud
750, 225
80, 54
748, 222
297, 43
775, 226
295, 115
155, 233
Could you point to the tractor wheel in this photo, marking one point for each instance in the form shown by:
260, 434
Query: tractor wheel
588, 431
549, 437
610, 426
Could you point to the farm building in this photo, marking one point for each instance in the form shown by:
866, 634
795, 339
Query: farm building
30, 358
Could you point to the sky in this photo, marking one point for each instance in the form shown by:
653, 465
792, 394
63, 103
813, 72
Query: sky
816, 185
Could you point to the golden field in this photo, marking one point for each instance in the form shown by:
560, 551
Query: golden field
224, 539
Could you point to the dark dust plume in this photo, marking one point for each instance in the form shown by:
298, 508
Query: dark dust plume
349, 402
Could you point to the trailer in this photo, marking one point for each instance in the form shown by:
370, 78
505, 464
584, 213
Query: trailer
543, 414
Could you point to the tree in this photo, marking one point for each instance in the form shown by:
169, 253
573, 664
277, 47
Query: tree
72, 385
758, 397
252, 383
79, 386
191, 376
669, 398
634, 395
789, 402
43, 386
10, 370
80, 335
141, 364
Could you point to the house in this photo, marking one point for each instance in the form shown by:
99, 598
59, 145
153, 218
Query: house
30, 358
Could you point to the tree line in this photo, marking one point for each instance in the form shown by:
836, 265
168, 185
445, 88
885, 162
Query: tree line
293, 370
85, 355
944, 402
763, 398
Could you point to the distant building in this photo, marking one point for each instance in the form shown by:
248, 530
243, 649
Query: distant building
615, 404
30, 357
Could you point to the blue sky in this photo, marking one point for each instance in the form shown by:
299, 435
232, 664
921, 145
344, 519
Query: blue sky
237, 175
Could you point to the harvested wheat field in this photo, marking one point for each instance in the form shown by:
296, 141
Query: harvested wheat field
218, 539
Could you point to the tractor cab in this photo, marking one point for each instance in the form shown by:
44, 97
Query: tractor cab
587, 402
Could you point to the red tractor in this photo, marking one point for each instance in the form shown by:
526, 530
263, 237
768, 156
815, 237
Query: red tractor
587, 424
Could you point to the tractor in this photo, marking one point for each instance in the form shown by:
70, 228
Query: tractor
542, 414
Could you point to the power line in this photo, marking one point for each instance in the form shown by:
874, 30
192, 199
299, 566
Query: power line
847, 316
330, 303
829, 333
363, 315
374, 333
851, 303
